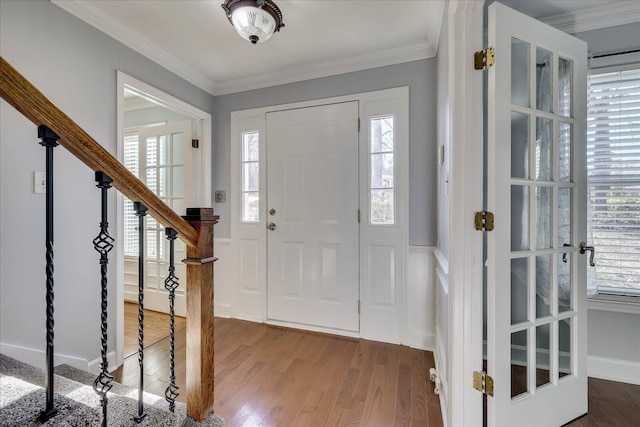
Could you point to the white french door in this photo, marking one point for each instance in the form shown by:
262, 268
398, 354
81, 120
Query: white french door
312, 216
165, 167
536, 301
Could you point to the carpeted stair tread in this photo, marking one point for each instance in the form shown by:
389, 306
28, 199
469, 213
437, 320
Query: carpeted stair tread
76, 401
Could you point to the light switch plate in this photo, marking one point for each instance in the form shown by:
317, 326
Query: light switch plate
39, 182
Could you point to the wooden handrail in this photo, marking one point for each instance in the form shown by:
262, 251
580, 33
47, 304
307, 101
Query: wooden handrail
28, 100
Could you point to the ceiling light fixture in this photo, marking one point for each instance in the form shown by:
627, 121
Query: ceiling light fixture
254, 20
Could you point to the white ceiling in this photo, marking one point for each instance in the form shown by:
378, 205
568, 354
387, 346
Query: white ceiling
194, 39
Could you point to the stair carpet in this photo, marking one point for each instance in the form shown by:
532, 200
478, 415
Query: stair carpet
22, 398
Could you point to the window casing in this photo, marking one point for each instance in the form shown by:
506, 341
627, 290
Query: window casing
613, 179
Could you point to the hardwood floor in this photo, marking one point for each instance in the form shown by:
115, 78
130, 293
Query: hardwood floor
272, 376
611, 404
156, 327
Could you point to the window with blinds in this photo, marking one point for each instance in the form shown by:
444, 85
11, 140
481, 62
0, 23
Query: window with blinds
613, 167
131, 162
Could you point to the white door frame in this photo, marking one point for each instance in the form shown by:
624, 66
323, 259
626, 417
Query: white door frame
163, 99
253, 304
464, 323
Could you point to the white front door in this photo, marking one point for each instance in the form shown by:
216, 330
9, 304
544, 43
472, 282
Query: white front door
312, 211
165, 167
536, 302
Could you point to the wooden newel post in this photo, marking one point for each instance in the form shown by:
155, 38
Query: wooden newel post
199, 291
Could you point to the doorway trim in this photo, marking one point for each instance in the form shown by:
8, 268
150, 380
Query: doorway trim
463, 405
203, 198
248, 296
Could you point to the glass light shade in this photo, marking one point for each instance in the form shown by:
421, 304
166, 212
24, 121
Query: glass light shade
253, 24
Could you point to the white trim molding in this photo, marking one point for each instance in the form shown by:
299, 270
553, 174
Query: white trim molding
465, 268
36, 357
617, 306
347, 65
613, 369
595, 18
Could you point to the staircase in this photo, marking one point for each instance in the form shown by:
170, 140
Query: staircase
55, 128
22, 396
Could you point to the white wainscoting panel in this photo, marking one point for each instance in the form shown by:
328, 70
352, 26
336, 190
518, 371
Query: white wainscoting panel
420, 298
222, 277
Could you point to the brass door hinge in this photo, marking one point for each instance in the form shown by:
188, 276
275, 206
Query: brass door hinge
358, 124
484, 59
483, 382
358, 216
195, 143
483, 221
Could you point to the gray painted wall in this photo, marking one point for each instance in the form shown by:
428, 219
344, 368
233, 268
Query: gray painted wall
420, 76
75, 66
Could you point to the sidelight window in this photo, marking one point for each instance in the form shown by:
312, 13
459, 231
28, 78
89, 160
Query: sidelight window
381, 166
250, 177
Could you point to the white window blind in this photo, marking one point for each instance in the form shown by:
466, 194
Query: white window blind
131, 162
613, 166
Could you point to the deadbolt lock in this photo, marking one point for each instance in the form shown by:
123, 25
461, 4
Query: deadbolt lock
272, 211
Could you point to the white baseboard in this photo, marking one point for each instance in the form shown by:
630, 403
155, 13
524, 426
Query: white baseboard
131, 296
37, 358
613, 369
222, 310
421, 340
441, 368
94, 365
313, 328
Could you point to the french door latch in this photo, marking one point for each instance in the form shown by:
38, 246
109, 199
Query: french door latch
584, 247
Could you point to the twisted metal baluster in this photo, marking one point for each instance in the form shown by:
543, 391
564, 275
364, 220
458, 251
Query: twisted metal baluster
141, 212
103, 243
49, 140
170, 284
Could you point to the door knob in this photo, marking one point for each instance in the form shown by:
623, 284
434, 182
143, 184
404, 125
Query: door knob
271, 226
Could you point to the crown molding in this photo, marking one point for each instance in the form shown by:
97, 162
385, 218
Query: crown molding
134, 40
341, 66
595, 18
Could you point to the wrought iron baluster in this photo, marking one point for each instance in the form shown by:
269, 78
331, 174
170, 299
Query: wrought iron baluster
49, 140
170, 284
103, 243
141, 212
